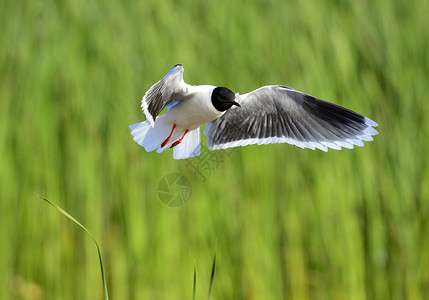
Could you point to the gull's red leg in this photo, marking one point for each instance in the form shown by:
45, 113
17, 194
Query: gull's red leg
179, 141
166, 141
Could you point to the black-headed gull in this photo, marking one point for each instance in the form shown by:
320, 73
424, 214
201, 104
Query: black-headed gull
270, 114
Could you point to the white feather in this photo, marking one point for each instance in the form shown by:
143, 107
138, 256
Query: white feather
189, 147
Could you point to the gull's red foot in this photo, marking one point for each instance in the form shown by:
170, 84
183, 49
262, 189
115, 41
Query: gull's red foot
179, 141
166, 141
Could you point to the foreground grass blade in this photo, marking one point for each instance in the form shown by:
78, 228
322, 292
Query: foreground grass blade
194, 289
106, 294
213, 272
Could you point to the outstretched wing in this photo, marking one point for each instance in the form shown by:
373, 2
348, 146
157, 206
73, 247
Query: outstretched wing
170, 88
279, 114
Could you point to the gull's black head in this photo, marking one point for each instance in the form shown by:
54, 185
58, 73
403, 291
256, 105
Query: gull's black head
223, 98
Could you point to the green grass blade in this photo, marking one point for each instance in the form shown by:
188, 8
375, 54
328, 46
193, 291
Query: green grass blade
213, 272
103, 276
194, 288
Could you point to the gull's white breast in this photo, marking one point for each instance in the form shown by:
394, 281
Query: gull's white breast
194, 111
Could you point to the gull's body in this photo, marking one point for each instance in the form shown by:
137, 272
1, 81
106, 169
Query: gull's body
196, 111
270, 114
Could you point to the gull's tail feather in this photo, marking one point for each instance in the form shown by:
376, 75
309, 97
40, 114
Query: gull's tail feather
190, 145
151, 138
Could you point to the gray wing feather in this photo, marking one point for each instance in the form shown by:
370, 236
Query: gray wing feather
279, 114
170, 88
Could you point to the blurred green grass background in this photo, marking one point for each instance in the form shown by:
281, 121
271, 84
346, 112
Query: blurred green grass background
289, 223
